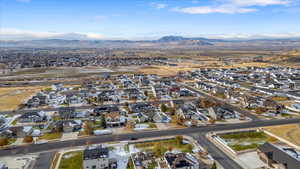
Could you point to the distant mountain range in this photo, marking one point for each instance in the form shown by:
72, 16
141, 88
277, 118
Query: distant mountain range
163, 42
181, 38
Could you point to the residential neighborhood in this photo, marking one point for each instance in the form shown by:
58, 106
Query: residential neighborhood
117, 104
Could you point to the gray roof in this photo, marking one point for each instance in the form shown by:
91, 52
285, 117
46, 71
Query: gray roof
95, 153
282, 155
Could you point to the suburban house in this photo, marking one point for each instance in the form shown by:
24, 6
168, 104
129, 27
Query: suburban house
177, 103
133, 93
102, 110
142, 160
160, 117
98, 158
108, 95
190, 112
71, 125
160, 91
27, 131
279, 156
144, 82
185, 93
271, 104
73, 99
234, 97
56, 99
36, 101
115, 119
153, 116
67, 113
252, 101
142, 107
182, 161
57, 87
33, 117
145, 112
88, 85
128, 84
221, 113
166, 81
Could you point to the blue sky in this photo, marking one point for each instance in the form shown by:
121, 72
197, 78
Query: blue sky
139, 19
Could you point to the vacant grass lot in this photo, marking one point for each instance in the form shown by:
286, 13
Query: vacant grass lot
246, 140
163, 70
289, 132
280, 98
169, 70
50, 136
249, 64
72, 160
11, 98
164, 145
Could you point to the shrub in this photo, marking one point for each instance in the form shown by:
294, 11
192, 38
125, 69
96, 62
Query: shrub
28, 139
3, 141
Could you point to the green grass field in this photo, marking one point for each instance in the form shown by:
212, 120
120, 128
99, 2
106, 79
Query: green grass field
164, 145
72, 160
246, 140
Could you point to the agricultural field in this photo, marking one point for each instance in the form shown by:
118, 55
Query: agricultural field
289, 132
11, 98
247, 140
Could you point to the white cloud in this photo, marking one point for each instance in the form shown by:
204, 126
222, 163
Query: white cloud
231, 6
16, 34
227, 9
158, 5
259, 2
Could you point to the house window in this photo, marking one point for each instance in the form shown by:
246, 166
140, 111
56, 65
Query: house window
93, 167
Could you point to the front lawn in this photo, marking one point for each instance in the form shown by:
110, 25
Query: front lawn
152, 125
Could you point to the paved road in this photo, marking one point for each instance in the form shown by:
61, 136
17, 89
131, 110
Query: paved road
35, 148
44, 160
217, 154
39, 83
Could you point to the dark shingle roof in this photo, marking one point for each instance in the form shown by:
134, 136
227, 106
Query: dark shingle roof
95, 153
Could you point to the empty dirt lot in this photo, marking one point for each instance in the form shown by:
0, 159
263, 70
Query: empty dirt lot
288, 132
10, 98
